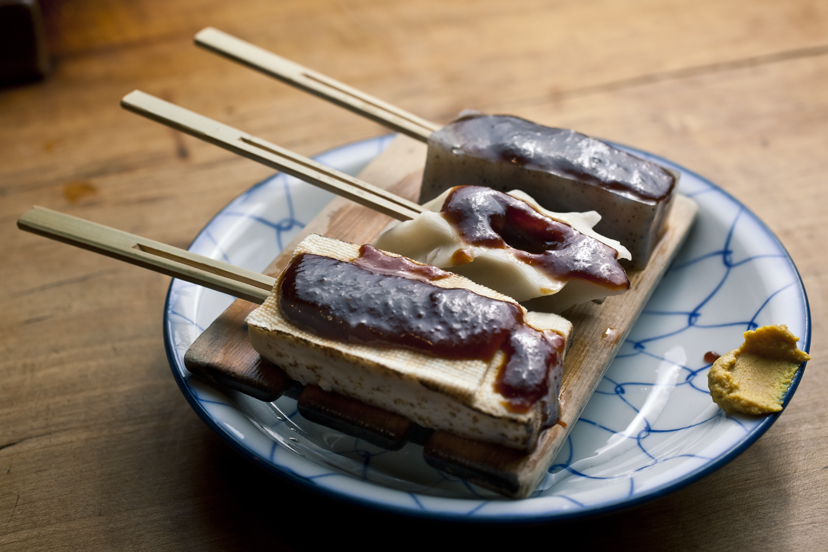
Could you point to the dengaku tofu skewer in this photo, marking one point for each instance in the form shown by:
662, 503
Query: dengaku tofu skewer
432, 346
435, 387
561, 169
387, 203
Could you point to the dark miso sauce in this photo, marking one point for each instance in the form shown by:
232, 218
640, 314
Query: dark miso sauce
385, 302
562, 152
488, 218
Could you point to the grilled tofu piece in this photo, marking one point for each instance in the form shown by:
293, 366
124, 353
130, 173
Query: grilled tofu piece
457, 395
562, 169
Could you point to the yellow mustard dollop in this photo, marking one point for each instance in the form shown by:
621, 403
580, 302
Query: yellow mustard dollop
754, 378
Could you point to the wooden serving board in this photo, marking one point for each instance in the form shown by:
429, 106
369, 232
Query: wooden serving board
223, 354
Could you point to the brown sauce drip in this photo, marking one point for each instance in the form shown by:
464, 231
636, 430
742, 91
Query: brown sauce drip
710, 357
375, 301
461, 257
488, 218
372, 259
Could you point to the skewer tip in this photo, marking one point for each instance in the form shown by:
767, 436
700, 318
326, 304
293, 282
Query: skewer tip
206, 31
127, 99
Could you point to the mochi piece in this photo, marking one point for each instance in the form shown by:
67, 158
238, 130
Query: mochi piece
431, 238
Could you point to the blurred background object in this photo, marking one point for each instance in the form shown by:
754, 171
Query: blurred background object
23, 53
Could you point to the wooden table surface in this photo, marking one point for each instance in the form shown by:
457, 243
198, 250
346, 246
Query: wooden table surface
99, 449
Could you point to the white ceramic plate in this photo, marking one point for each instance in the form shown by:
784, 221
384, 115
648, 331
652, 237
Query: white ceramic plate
650, 428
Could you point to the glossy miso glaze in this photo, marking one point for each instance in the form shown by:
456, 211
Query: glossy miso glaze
488, 218
375, 301
563, 152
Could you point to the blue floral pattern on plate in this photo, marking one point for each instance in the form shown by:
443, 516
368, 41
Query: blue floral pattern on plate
650, 428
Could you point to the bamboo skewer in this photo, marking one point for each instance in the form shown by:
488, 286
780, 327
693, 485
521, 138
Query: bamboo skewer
316, 83
166, 259
270, 154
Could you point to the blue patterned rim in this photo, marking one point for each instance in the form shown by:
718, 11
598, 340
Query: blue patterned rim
649, 430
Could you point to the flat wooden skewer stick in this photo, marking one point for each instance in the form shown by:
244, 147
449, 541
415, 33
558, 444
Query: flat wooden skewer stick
316, 83
166, 259
270, 154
